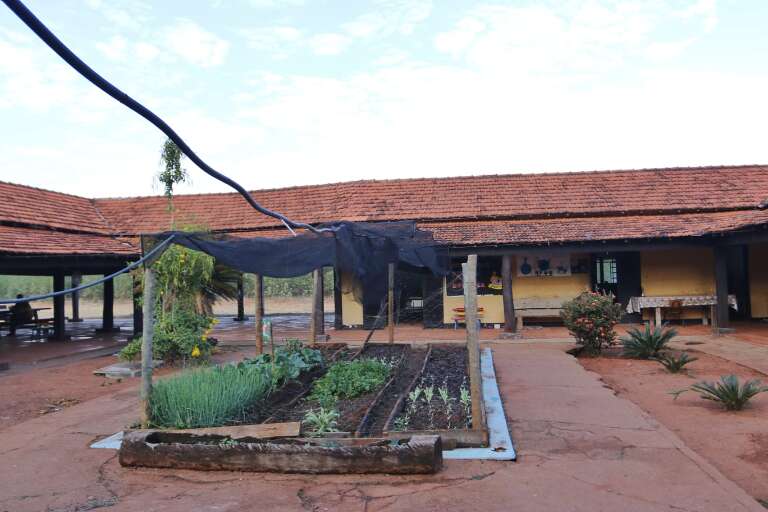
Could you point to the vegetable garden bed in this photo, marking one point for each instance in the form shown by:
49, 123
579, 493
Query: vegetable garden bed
380, 401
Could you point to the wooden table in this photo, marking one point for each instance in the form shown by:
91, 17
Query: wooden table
637, 304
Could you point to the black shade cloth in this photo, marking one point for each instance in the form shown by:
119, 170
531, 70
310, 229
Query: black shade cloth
362, 249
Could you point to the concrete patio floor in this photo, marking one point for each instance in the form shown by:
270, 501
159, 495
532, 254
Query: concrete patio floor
581, 448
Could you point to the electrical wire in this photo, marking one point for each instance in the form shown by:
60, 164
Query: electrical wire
48, 37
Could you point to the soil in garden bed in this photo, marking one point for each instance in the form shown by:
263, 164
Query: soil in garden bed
292, 390
350, 411
447, 365
406, 372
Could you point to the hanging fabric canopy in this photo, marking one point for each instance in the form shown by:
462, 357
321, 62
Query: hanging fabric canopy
361, 249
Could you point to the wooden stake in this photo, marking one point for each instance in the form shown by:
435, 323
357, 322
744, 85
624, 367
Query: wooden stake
469, 274
259, 313
391, 303
510, 323
146, 344
317, 297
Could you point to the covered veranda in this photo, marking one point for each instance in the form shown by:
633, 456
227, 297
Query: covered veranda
26, 251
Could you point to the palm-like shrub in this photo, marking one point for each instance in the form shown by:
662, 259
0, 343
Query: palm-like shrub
590, 318
647, 344
675, 364
729, 391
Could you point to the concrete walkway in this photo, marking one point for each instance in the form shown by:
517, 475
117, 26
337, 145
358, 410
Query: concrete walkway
581, 448
727, 347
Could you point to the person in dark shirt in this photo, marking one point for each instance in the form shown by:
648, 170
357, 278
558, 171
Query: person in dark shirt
21, 313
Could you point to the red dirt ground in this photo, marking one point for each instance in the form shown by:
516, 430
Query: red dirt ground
28, 394
36, 392
736, 442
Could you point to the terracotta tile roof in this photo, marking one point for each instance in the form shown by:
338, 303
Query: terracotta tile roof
515, 208
586, 229
24, 240
475, 197
31, 206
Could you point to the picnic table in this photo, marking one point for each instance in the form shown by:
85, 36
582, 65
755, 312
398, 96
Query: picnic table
38, 325
637, 304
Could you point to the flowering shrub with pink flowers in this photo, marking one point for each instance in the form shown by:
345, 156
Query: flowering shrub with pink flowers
591, 318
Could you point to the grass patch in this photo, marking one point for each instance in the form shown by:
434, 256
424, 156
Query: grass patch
209, 397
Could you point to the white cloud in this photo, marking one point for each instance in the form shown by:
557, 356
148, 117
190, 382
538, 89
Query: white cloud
272, 4
114, 49
195, 44
277, 39
389, 17
329, 44
573, 36
146, 52
131, 15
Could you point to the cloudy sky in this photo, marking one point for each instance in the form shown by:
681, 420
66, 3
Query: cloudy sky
286, 92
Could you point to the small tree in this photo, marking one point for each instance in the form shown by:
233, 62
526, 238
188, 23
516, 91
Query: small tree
591, 318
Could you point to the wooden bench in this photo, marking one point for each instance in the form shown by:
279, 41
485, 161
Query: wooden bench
39, 326
459, 316
537, 308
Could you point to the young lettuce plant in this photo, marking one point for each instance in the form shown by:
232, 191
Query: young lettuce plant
321, 421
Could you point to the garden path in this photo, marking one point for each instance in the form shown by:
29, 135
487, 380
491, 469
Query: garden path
732, 347
580, 448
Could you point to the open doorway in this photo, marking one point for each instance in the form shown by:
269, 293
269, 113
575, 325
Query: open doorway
618, 273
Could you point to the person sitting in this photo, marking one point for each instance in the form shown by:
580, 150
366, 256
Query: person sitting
21, 313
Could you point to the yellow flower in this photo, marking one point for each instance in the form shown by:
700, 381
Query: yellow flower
203, 337
195, 352
215, 321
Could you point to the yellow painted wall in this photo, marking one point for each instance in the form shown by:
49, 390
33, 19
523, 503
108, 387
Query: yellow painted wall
351, 310
535, 287
678, 272
758, 280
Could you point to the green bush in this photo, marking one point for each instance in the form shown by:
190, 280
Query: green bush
349, 379
729, 391
675, 364
132, 351
208, 397
590, 318
647, 344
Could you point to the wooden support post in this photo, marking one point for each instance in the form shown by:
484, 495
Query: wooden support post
59, 313
510, 323
469, 273
138, 313
338, 314
77, 279
240, 300
321, 304
721, 287
146, 344
317, 296
259, 312
391, 303
108, 311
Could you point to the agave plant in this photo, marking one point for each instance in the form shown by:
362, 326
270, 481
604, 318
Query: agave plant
729, 391
648, 343
675, 364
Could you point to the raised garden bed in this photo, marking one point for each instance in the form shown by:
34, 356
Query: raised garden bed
436, 401
157, 449
369, 425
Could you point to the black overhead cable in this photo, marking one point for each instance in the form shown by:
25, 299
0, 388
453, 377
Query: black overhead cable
130, 267
37, 26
